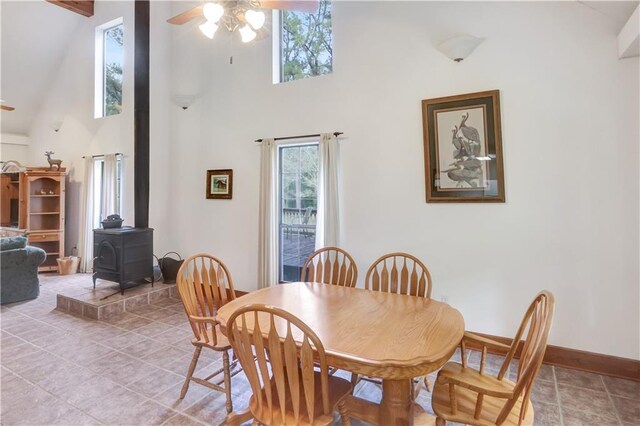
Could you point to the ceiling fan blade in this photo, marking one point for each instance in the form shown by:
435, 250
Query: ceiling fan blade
186, 16
6, 108
310, 6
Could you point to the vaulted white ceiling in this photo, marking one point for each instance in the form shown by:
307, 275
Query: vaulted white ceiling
620, 11
35, 36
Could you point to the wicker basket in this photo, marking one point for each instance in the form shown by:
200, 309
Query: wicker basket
68, 265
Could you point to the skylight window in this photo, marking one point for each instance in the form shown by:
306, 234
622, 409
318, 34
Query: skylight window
109, 68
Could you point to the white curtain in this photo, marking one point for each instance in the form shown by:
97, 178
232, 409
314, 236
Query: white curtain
86, 230
109, 186
328, 217
268, 226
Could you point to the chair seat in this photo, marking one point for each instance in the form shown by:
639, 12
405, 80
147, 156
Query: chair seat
338, 389
466, 398
222, 343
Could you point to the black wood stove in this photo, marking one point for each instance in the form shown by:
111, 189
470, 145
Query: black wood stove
123, 255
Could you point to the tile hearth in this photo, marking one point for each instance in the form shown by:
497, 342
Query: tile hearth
63, 369
77, 296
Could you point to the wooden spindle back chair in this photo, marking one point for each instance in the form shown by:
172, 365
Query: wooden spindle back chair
330, 265
497, 400
399, 273
204, 285
277, 353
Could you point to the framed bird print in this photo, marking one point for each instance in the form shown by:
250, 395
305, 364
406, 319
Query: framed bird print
463, 148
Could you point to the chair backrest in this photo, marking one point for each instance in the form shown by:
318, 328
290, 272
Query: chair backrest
204, 284
537, 324
399, 273
330, 265
262, 335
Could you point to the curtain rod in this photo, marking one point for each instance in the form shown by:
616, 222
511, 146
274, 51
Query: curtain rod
101, 155
336, 134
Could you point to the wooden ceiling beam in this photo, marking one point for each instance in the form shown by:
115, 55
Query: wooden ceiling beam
83, 7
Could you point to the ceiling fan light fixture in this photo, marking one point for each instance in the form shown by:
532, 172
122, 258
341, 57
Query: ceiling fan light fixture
255, 18
213, 12
208, 29
247, 34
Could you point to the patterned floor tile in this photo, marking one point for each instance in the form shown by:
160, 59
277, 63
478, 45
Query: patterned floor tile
622, 387
579, 379
628, 409
586, 400
582, 418
130, 370
546, 414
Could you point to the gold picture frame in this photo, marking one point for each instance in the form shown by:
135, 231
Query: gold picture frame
463, 148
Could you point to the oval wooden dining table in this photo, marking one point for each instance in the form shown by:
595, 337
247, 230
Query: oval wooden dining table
383, 335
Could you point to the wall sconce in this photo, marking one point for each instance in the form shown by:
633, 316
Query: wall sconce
184, 101
56, 125
459, 47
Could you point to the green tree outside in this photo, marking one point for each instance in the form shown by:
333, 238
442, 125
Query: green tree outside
300, 177
114, 49
306, 43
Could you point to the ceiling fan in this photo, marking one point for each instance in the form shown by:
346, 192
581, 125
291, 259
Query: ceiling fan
5, 107
242, 15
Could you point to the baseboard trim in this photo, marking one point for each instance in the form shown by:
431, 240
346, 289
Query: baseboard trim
608, 365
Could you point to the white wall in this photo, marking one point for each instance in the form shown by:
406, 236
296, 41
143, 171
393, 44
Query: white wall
570, 138
14, 147
70, 100
629, 37
162, 216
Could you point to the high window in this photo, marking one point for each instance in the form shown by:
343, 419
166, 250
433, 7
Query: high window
109, 64
303, 45
298, 203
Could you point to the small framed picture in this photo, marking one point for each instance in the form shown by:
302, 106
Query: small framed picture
220, 184
463, 148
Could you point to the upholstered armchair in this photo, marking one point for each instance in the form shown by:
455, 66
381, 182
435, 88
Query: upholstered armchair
19, 270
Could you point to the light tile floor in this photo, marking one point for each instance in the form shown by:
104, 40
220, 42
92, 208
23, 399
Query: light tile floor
65, 370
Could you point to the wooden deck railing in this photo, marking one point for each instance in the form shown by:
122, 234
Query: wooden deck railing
292, 216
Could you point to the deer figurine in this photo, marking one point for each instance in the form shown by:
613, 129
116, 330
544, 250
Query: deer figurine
53, 162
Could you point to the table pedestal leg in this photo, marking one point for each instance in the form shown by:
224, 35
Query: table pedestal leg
396, 407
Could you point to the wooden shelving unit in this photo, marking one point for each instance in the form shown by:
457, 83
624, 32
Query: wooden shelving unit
33, 202
10, 203
43, 194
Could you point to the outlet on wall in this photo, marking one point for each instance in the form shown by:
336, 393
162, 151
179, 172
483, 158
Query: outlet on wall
444, 299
